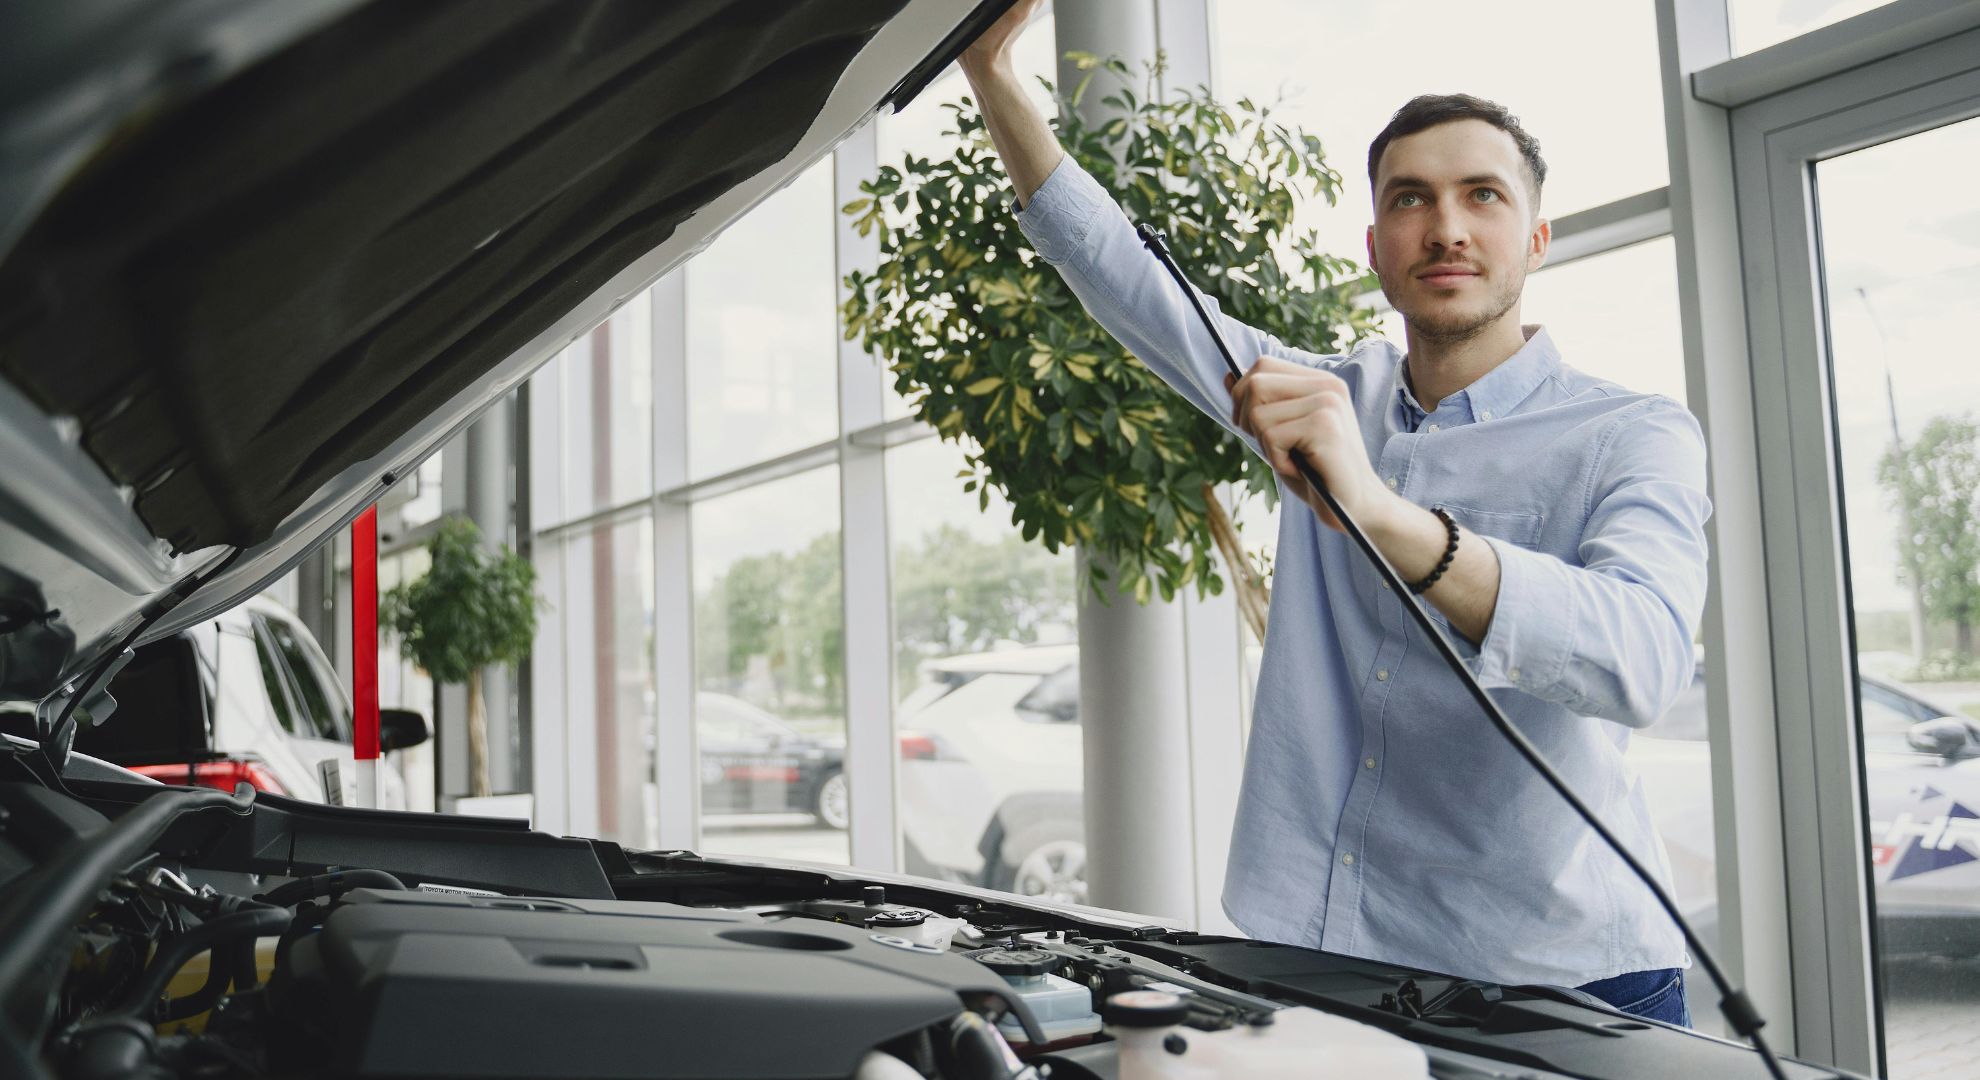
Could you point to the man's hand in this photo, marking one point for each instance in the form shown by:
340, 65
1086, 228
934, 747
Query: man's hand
994, 44
1289, 407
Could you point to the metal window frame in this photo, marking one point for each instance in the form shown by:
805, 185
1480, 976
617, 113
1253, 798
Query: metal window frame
1776, 141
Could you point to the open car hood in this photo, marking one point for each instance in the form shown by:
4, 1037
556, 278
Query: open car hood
258, 260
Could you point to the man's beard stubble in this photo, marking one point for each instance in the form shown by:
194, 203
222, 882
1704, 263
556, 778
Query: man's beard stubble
1456, 327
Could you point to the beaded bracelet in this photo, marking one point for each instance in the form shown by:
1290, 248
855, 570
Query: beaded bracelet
1450, 552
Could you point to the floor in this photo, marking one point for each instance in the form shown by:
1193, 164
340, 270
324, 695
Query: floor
1929, 1012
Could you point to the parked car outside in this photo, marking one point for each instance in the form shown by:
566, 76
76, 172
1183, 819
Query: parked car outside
1921, 768
993, 795
752, 762
991, 772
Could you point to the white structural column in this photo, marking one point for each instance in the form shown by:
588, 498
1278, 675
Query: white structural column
864, 551
677, 759
1133, 688
1753, 935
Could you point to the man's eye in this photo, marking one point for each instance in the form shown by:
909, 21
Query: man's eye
1491, 195
1406, 195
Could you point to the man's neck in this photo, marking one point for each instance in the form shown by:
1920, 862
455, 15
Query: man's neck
1440, 368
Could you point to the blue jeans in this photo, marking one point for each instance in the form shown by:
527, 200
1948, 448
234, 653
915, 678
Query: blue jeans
1653, 995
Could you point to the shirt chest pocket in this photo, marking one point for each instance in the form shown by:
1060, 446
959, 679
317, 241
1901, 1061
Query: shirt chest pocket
1513, 526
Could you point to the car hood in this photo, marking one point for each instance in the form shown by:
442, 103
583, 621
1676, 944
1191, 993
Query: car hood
258, 260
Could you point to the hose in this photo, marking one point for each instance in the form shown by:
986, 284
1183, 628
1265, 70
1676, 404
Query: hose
330, 884
248, 923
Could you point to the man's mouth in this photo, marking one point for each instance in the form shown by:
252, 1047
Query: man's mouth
1445, 277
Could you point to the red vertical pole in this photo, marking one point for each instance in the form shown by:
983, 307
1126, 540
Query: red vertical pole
364, 634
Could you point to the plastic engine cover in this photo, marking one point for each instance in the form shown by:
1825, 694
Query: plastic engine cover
414, 984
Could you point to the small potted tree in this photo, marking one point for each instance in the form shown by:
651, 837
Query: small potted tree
991, 348
471, 608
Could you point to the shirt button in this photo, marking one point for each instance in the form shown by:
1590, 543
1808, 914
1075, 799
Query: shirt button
1348, 858
1370, 763
1486, 415
1385, 583
1433, 427
1382, 675
1513, 674
1392, 481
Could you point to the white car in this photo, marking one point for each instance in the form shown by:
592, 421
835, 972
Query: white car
990, 772
251, 698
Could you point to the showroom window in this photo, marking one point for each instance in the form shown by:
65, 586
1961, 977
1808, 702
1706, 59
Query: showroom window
761, 340
1757, 24
770, 669
919, 128
987, 670
1598, 147
1899, 285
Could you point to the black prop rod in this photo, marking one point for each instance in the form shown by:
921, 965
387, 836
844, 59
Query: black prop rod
1737, 1007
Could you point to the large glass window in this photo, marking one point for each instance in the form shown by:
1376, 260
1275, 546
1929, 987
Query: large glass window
1757, 24
606, 386
1900, 278
770, 669
613, 650
918, 129
988, 673
762, 344
1345, 67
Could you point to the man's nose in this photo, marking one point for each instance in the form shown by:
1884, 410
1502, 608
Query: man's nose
1448, 229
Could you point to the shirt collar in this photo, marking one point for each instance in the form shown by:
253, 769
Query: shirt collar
1501, 390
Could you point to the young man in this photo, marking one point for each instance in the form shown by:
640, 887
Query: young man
1381, 815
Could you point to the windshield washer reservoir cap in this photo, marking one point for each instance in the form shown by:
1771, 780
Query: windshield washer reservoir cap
1145, 1009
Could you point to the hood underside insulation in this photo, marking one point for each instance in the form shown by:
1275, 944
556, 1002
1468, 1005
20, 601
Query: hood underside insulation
243, 295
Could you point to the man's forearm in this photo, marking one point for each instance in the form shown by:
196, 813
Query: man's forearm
1023, 139
1413, 539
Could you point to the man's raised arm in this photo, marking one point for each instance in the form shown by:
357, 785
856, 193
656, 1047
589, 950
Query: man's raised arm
1024, 141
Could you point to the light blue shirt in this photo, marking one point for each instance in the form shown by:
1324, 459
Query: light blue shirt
1381, 815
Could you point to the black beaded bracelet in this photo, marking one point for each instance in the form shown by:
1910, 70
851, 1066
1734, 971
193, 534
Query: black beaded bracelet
1450, 551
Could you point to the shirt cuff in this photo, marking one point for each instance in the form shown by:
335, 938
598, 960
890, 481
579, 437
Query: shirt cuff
1061, 211
1531, 634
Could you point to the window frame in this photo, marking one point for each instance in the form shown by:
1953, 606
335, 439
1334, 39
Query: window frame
1843, 103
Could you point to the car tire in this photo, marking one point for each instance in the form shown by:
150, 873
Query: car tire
831, 805
1045, 860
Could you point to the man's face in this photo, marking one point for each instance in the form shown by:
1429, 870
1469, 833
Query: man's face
1456, 228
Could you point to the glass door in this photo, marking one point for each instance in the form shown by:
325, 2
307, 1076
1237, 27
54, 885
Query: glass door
1898, 236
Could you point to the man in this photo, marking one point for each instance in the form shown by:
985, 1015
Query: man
1381, 815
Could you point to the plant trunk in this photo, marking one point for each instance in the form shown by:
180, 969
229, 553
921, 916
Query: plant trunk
477, 731
1254, 593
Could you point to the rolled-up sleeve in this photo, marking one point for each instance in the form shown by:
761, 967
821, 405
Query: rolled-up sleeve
1612, 637
1078, 228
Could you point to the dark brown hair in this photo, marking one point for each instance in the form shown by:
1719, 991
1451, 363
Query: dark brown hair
1429, 110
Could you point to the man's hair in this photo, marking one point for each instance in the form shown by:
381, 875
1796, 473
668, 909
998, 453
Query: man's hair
1429, 110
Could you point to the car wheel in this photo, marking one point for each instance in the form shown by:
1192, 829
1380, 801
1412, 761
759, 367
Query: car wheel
1043, 862
831, 803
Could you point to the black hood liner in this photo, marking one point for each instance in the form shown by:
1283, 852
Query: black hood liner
243, 296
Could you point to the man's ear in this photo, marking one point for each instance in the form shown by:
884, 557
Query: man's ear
1371, 250
1536, 250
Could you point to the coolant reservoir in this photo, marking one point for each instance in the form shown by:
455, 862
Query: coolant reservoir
1063, 1008
1294, 1045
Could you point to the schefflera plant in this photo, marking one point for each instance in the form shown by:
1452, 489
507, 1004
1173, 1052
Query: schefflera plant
990, 347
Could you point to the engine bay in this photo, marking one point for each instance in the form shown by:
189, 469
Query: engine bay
179, 933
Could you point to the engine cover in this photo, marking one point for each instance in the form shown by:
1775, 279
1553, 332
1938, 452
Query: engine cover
417, 984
